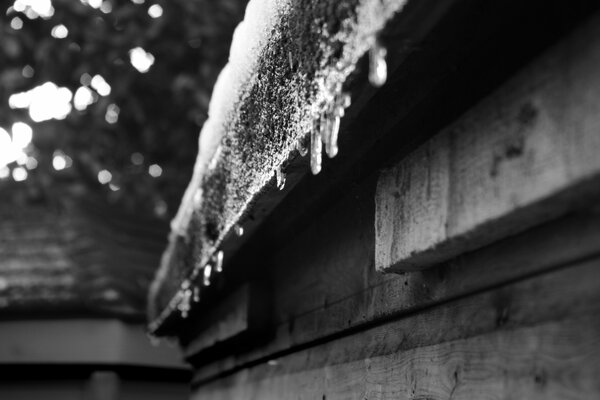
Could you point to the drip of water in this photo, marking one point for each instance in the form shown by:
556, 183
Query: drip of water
316, 148
219, 261
196, 296
280, 178
206, 275
238, 229
377, 65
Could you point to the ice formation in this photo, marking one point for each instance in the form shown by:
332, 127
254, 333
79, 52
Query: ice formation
282, 89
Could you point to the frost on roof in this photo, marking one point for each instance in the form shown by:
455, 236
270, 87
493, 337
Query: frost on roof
287, 65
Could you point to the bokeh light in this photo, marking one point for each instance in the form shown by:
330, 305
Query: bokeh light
140, 59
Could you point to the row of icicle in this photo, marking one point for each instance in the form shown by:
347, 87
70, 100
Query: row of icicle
324, 133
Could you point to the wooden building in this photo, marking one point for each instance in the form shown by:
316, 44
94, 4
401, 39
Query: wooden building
451, 250
73, 280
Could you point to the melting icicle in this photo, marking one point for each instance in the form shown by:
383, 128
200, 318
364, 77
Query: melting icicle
219, 261
331, 147
238, 229
325, 125
185, 304
280, 178
196, 296
316, 148
377, 65
206, 276
346, 100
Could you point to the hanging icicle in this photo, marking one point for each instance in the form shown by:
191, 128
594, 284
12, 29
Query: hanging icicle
185, 305
377, 64
219, 261
206, 275
331, 148
196, 296
316, 148
280, 178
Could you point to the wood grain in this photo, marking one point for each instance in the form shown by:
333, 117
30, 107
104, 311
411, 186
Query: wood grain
535, 339
524, 155
357, 297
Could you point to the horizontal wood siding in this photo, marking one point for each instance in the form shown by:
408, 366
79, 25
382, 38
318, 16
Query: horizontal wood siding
511, 313
526, 154
535, 339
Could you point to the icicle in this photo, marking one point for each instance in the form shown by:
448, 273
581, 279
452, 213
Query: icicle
196, 296
185, 305
207, 273
303, 150
331, 148
291, 61
280, 178
341, 103
238, 229
325, 125
316, 148
219, 261
346, 100
377, 65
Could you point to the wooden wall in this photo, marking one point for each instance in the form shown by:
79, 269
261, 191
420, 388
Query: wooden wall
513, 315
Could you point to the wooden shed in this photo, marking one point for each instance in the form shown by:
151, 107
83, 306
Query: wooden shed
451, 250
74, 273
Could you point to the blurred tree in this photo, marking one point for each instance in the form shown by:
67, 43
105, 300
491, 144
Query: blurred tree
137, 76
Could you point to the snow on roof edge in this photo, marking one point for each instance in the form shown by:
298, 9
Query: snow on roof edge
254, 75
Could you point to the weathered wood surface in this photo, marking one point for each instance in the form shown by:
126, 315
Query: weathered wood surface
524, 155
325, 283
356, 297
536, 339
228, 319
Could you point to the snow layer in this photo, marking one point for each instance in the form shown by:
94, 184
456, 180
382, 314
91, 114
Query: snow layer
288, 59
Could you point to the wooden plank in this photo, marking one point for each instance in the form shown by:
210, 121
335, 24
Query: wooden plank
535, 339
526, 154
357, 297
325, 284
545, 362
228, 319
227, 326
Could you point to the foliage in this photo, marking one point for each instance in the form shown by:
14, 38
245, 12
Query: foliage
158, 113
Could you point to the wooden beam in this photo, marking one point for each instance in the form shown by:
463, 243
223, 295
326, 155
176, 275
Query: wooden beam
229, 325
526, 154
